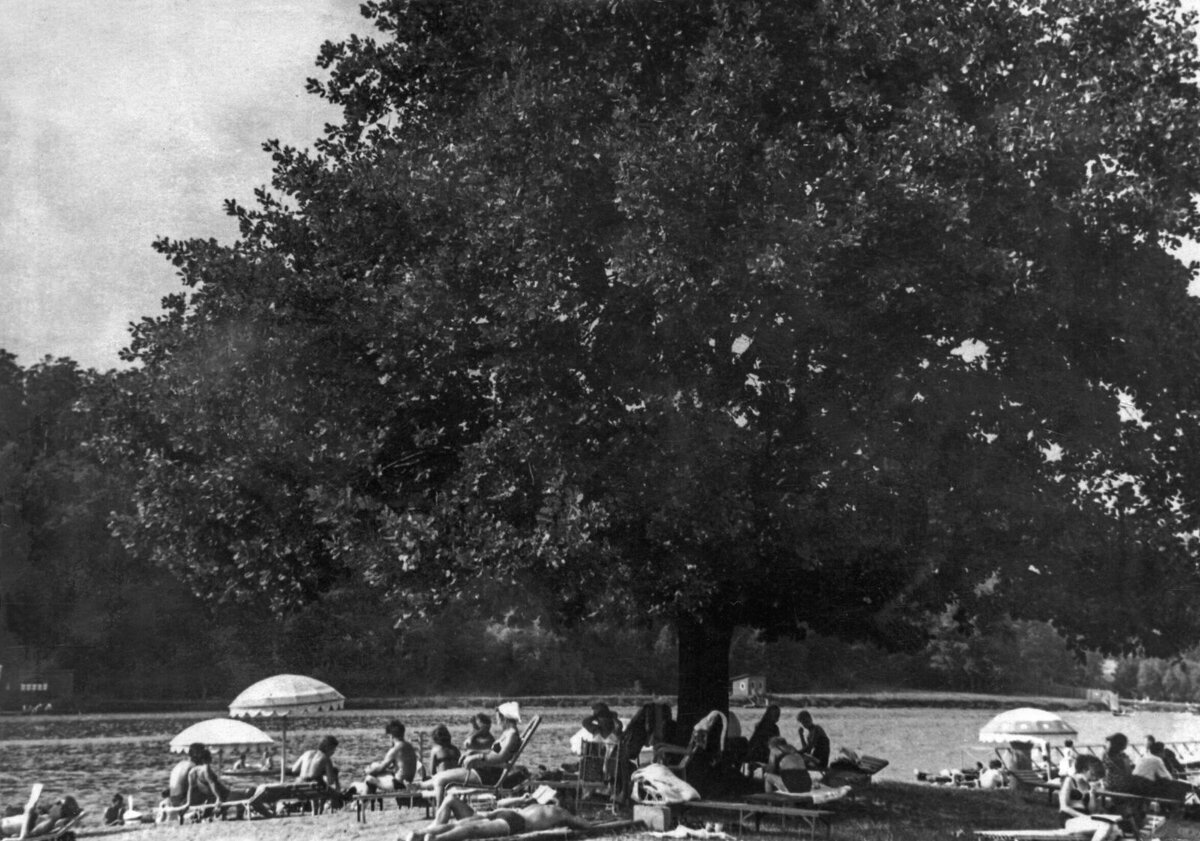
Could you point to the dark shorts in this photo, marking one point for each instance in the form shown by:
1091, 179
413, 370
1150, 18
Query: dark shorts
489, 776
516, 823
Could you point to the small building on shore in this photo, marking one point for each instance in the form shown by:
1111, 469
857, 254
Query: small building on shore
748, 688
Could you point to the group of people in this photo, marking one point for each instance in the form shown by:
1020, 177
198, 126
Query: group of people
1158, 773
481, 759
787, 767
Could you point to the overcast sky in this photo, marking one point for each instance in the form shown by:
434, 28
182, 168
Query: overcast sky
124, 120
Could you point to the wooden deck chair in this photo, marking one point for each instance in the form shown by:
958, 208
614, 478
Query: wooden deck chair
499, 787
677, 758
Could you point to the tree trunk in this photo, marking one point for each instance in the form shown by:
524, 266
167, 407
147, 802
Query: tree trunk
704, 644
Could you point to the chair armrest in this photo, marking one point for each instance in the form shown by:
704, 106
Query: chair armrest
669, 750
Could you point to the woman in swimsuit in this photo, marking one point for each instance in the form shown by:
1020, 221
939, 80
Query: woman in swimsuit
482, 767
1076, 798
443, 755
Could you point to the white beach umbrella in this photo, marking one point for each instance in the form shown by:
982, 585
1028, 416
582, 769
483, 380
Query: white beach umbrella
283, 696
221, 733
1025, 724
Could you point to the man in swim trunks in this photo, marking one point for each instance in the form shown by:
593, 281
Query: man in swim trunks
456, 820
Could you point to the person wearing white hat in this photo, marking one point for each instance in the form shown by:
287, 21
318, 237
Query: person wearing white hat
479, 767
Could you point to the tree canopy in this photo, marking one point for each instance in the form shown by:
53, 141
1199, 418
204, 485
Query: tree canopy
783, 314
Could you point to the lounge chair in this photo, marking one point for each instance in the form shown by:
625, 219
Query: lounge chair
498, 789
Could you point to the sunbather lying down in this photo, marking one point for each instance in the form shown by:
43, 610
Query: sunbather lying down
456, 820
40, 821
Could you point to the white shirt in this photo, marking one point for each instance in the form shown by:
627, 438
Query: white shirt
1151, 767
991, 778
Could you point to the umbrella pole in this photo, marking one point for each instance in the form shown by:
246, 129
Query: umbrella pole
283, 750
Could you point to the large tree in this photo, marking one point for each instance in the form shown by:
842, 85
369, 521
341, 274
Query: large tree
785, 314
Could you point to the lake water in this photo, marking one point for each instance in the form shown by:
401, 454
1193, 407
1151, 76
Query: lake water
94, 756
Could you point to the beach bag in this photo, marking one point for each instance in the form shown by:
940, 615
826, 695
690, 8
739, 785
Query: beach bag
656, 783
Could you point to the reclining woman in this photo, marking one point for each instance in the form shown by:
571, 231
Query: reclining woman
35, 820
478, 767
456, 820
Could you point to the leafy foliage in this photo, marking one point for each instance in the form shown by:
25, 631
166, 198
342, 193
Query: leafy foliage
765, 314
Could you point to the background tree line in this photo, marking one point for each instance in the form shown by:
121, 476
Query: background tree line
131, 630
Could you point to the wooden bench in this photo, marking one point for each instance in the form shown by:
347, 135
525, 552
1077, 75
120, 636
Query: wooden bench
365, 802
1164, 803
808, 818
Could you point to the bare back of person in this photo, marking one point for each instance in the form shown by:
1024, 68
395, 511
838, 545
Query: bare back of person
314, 766
177, 787
204, 786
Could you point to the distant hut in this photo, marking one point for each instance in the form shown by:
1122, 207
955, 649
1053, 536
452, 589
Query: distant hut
748, 689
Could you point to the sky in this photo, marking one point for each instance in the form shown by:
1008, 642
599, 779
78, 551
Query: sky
126, 120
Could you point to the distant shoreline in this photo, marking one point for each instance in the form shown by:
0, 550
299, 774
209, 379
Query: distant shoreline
947, 700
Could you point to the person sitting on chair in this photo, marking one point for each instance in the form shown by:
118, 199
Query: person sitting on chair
456, 820
204, 786
1151, 777
602, 719
1169, 758
480, 767
398, 766
314, 766
1077, 798
814, 742
177, 785
443, 755
481, 737
115, 813
759, 749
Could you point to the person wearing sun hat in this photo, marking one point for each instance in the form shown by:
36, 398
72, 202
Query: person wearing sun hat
483, 767
510, 710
